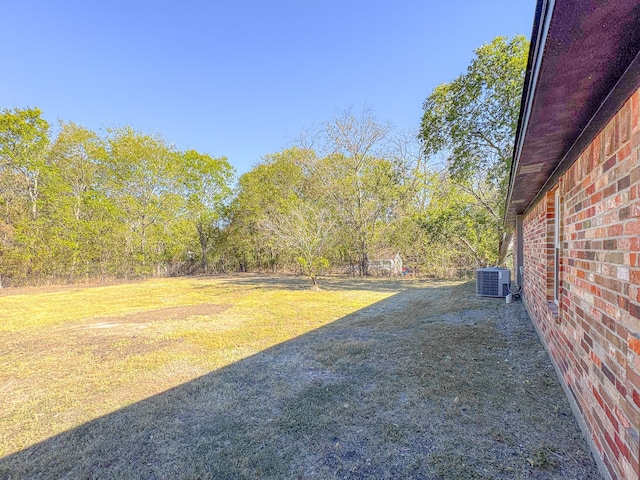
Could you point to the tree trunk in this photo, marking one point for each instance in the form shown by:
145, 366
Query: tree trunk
204, 244
503, 247
364, 264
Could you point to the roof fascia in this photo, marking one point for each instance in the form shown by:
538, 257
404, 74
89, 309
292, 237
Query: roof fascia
544, 12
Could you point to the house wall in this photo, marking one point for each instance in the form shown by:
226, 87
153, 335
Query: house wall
593, 336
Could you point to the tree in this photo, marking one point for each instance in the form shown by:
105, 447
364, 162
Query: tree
205, 184
70, 184
305, 230
365, 174
76, 158
268, 189
460, 229
143, 185
473, 121
85, 205
24, 137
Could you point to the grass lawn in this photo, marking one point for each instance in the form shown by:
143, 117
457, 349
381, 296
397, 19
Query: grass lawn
248, 376
69, 355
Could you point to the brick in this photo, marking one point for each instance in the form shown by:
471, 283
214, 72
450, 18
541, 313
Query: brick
636, 398
587, 339
634, 471
610, 298
609, 139
624, 182
632, 437
608, 164
634, 293
614, 231
622, 447
598, 397
623, 420
622, 272
596, 440
584, 366
633, 341
622, 331
632, 227
624, 153
623, 301
612, 445
608, 373
610, 190
635, 111
621, 388
631, 408
624, 124
633, 378
608, 322
611, 417
624, 213
609, 245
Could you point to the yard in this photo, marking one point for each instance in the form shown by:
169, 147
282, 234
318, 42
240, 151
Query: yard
259, 377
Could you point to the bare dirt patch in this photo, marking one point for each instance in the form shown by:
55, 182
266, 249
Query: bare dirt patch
103, 336
161, 314
432, 383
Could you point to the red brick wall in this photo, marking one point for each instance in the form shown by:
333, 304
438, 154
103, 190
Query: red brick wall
594, 338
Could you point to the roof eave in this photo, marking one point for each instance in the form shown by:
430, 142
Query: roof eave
542, 20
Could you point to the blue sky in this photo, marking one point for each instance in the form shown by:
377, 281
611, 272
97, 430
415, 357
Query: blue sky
239, 78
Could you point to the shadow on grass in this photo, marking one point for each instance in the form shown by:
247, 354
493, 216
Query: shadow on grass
395, 390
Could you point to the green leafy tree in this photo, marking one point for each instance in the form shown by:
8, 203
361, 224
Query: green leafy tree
472, 121
143, 185
459, 230
365, 176
85, 205
268, 189
206, 187
24, 138
70, 186
76, 161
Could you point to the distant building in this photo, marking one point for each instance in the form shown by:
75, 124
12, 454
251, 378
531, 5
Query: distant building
574, 198
385, 263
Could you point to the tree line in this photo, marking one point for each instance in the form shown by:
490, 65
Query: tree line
79, 205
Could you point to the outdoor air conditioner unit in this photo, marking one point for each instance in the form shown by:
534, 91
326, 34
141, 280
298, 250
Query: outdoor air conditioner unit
493, 282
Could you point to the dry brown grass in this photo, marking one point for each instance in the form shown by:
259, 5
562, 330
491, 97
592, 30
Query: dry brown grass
69, 355
366, 379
